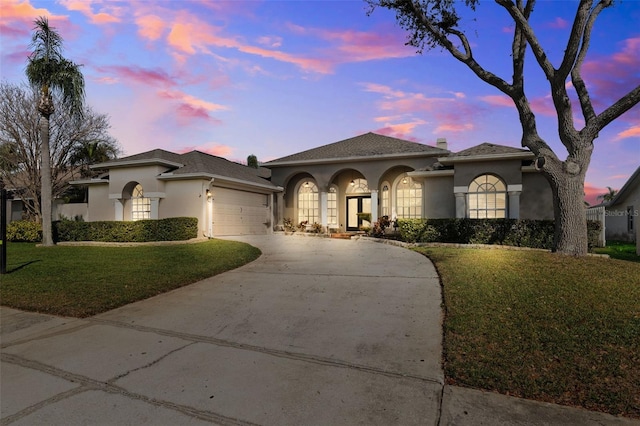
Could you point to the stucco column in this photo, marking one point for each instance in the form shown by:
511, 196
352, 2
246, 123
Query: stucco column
374, 206
514, 204
279, 210
324, 205
118, 203
461, 201
514, 192
155, 204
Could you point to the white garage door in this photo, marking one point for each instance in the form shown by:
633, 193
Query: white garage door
239, 212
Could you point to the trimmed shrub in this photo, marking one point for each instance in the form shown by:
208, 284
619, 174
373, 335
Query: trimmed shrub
170, 229
24, 231
512, 232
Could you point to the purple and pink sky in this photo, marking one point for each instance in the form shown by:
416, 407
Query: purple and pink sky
271, 78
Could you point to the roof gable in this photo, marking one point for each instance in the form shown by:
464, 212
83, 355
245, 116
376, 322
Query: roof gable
368, 145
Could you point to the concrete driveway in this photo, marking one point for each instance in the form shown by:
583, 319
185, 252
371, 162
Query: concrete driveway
316, 331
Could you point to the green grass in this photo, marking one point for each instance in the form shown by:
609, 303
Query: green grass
541, 326
80, 281
619, 250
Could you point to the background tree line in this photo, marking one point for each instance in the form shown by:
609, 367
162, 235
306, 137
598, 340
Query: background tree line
75, 143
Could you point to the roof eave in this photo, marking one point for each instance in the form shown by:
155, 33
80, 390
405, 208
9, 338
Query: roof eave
487, 157
218, 178
352, 159
142, 162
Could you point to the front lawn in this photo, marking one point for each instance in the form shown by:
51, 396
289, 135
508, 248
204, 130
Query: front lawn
80, 281
541, 326
619, 250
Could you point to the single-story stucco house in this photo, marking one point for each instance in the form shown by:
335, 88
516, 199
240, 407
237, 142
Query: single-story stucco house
329, 185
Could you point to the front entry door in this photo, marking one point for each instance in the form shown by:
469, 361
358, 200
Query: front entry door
357, 205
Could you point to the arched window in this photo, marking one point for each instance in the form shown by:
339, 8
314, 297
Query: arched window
409, 199
308, 203
358, 186
332, 207
385, 200
140, 206
487, 198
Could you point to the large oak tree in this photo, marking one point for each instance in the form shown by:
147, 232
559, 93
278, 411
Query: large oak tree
438, 23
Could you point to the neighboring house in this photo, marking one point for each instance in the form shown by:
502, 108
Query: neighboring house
622, 213
227, 198
343, 186
382, 175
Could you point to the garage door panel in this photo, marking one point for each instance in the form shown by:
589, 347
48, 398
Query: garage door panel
239, 212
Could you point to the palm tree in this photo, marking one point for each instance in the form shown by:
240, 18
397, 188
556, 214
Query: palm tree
49, 71
610, 195
91, 152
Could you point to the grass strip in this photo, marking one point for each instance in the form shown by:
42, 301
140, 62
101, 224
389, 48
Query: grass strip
81, 281
541, 326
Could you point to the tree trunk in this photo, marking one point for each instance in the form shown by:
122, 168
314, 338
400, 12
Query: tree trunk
570, 236
45, 176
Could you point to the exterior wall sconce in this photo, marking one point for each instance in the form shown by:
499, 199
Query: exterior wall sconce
353, 182
306, 184
404, 180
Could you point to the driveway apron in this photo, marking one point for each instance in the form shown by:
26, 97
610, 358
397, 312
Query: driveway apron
316, 331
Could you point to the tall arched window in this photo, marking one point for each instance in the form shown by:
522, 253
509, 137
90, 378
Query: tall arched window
409, 199
385, 200
140, 205
332, 207
308, 203
487, 198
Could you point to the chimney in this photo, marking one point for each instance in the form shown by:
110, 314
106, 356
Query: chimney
442, 143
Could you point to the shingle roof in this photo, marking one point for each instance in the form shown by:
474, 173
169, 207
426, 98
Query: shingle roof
488, 149
367, 145
191, 163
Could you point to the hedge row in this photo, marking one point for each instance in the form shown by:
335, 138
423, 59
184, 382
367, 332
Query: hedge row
171, 229
511, 232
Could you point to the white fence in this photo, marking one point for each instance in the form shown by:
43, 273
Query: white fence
598, 214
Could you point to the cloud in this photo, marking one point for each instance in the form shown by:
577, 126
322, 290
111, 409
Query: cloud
454, 127
150, 27
498, 100
611, 77
135, 74
632, 132
591, 193
270, 41
106, 15
18, 16
558, 23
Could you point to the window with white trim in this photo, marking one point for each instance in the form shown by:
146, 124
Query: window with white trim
358, 186
308, 203
385, 200
408, 199
332, 207
140, 205
487, 198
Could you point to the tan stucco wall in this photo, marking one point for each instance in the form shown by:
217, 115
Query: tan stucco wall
440, 202
144, 175
100, 206
536, 199
508, 171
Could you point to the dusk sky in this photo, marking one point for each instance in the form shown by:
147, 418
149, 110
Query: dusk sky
272, 78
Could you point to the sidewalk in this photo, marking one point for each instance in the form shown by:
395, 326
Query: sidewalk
315, 332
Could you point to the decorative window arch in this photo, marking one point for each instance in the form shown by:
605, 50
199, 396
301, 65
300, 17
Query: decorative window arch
140, 205
308, 203
332, 206
359, 186
385, 200
487, 198
408, 199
